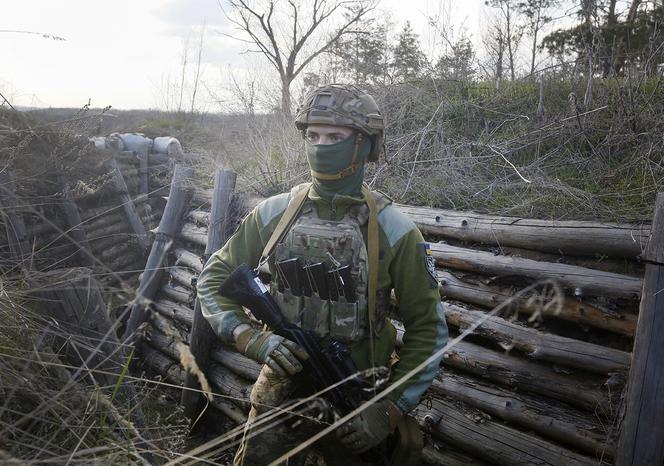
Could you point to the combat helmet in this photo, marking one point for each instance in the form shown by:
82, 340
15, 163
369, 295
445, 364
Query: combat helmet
343, 105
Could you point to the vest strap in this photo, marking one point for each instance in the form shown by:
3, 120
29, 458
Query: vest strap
289, 215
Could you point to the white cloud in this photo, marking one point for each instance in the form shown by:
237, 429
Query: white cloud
118, 52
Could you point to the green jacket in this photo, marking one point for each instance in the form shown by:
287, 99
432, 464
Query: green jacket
402, 265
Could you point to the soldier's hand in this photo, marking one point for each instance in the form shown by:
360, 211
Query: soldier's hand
370, 427
282, 355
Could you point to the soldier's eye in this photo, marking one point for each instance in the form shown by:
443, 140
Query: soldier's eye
311, 137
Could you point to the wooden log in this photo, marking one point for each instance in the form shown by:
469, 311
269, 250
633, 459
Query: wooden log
174, 373
130, 210
178, 294
117, 251
444, 456
101, 244
571, 310
120, 227
194, 234
203, 338
491, 441
75, 232
504, 369
169, 227
233, 387
174, 311
585, 281
562, 237
539, 345
183, 276
547, 419
43, 227
200, 217
236, 362
91, 213
115, 217
17, 235
642, 429
188, 259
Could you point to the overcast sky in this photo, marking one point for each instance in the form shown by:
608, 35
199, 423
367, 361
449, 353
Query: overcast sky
123, 53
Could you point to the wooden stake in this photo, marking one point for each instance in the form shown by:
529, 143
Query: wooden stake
642, 434
202, 337
169, 227
128, 205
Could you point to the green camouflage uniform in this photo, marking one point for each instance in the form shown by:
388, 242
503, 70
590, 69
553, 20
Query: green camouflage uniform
402, 266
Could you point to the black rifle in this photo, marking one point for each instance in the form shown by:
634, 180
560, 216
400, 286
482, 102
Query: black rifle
324, 367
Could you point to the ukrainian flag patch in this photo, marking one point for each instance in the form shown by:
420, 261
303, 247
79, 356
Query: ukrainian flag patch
429, 262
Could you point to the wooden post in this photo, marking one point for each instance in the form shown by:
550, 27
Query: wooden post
202, 337
169, 227
143, 169
17, 235
642, 429
73, 223
128, 204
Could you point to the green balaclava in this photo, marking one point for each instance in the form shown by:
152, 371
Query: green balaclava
332, 159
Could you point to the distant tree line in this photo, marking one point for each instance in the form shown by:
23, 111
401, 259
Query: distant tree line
521, 39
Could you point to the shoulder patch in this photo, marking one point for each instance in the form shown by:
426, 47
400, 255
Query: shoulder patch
394, 224
424, 250
271, 207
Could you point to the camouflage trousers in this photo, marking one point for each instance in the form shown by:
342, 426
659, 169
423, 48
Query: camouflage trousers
265, 441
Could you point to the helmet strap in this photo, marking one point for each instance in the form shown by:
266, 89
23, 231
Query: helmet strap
352, 168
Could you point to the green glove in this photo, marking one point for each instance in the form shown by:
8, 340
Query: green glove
282, 355
370, 427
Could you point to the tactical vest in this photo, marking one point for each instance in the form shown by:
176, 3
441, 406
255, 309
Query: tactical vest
320, 274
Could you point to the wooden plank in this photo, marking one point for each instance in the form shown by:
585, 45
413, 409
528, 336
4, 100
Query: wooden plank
582, 280
202, 337
169, 228
561, 237
571, 309
642, 428
491, 441
539, 345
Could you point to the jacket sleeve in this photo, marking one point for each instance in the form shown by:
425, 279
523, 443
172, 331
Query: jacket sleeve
421, 312
245, 246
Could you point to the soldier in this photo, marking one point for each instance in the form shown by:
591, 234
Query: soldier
335, 221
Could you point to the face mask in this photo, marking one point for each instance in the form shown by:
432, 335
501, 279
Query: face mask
332, 159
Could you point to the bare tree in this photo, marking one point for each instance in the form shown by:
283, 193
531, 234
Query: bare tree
513, 31
537, 14
493, 40
291, 33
